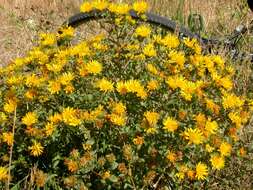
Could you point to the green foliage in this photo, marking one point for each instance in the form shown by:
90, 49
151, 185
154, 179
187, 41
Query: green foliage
196, 23
180, 12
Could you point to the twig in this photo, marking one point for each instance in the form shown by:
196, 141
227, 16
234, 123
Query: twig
11, 149
131, 177
156, 184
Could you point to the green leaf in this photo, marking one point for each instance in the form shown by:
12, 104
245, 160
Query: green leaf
113, 179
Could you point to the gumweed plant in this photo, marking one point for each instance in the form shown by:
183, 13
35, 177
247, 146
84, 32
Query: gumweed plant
131, 109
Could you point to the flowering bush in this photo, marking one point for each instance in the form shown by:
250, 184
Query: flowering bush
130, 110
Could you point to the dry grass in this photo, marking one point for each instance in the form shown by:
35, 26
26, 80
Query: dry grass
220, 16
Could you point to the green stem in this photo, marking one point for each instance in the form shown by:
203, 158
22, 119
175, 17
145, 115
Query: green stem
11, 150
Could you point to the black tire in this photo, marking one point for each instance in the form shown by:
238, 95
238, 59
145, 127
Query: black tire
164, 22
250, 3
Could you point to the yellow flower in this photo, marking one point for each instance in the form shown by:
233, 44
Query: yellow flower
151, 130
217, 162
69, 89
132, 47
49, 129
138, 140
176, 82
30, 94
14, 80
178, 58
3, 173
152, 118
140, 7
72, 165
218, 60
121, 87
120, 9
105, 85
8, 138
38, 56
69, 116
157, 38
143, 31
56, 118
119, 120
225, 82
10, 106
186, 95
170, 124
201, 171
106, 175
54, 87
36, 149
33, 80
171, 41
212, 106
66, 78
83, 70
211, 127
119, 108
100, 46
85, 7
152, 69
30, 118
235, 118
133, 86
171, 156
94, 67
231, 101
19, 62
225, 149
200, 120
209, 148
193, 44
55, 67
47, 39
191, 174
188, 88
3, 117
194, 136
152, 85
66, 32
180, 175
189, 42
149, 50
100, 4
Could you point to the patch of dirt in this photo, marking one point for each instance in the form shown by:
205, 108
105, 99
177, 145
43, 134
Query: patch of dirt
23, 20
